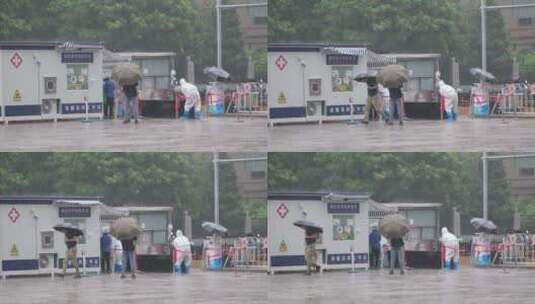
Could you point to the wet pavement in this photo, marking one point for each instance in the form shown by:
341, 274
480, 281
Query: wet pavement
417, 286
225, 134
465, 135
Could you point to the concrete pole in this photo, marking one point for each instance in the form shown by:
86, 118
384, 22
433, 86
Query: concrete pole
483, 35
219, 35
485, 185
216, 188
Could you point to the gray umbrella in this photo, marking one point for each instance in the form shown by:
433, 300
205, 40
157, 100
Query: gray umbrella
125, 228
126, 74
216, 72
481, 224
477, 72
213, 227
394, 226
393, 76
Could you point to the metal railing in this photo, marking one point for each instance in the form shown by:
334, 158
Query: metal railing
515, 250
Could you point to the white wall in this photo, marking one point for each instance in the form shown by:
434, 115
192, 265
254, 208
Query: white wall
290, 80
25, 233
283, 229
26, 79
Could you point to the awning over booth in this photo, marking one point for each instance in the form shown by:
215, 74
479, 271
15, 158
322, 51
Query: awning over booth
77, 203
374, 60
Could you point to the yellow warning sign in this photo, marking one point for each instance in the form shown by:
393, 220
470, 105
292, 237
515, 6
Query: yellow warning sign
17, 97
14, 251
283, 247
282, 98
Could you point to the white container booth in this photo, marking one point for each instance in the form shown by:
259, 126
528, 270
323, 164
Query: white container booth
30, 246
343, 217
50, 80
314, 82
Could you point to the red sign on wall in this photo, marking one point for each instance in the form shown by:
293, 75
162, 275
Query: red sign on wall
281, 62
16, 60
13, 215
282, 210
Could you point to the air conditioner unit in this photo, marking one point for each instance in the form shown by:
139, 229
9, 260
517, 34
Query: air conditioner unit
51, 85
315, 108
49, 107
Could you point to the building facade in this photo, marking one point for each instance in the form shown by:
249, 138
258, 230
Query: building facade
520, 23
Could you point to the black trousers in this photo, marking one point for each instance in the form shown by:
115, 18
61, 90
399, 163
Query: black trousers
108, 107
105, 262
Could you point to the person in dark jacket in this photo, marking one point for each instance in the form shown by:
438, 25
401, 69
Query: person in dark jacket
311, 257
375, 248
109, 98
105, 252
132, 105
373, 101
71, 242
396, 96
129, 256
397, 253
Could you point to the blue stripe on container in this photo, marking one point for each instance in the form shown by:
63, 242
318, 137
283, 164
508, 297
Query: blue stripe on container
290, 112
287, 260
20, 265
345, 258
343, 110
91, 262
23, 110
79, 108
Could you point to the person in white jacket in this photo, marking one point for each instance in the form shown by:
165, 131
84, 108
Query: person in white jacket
183, 256
192, 107
451, 98
450, 244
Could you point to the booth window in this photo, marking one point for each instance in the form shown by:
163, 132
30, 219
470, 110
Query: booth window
155, 226
80, 224
423, 73
47, 239
314, 87
343, 227
423, 224
77, 77
342, 78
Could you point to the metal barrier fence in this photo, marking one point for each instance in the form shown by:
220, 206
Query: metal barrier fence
245, 252
515, 99
515, 249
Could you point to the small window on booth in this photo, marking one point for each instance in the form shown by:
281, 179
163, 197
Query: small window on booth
342, 78
77, 77
343, 227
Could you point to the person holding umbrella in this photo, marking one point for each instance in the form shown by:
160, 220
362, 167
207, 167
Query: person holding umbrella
312, 234
129, 256
372, 101
72, 235
392, 77
128, 75
132, 105
394, 227
126, 230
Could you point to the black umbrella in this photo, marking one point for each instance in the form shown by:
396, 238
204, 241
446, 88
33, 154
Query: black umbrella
481, 224
309, 226
363, 77
213, 227
67, 229
216, 73
477, 72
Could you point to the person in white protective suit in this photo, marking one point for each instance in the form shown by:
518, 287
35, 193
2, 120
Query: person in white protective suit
450, 244
192, 107
183, 256
451, 99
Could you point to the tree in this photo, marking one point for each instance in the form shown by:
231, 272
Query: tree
442, 26
129, 25
180, 180
448, 178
